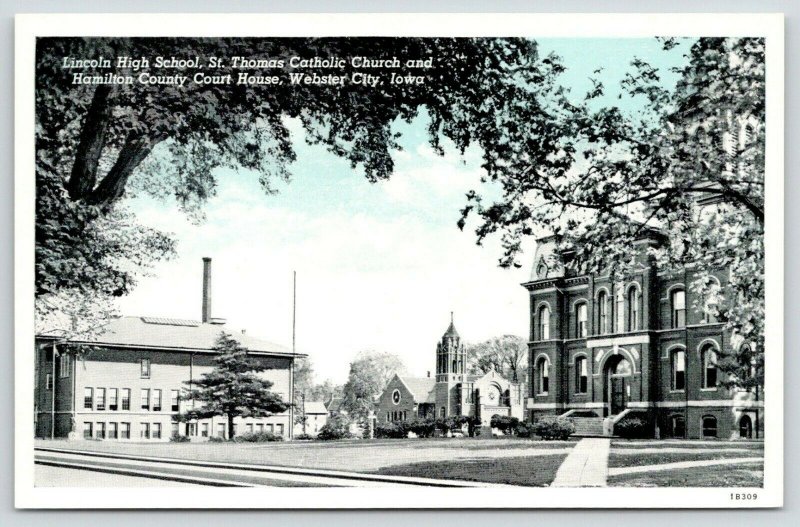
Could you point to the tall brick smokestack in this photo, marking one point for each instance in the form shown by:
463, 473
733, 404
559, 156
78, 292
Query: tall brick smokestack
206, 290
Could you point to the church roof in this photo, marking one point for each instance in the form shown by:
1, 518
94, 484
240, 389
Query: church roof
421, 388
451, 331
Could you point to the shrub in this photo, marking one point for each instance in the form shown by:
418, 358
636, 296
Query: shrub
303, 437
177, 438
216, 439
257, 437
423, 427
632, 428
524, 429
507, 425
390, 430
549, 428
337, 427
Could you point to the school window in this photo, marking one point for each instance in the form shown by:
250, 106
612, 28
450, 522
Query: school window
441, 412
112, 431
602, 313
633, 309
48, 382
145, 399
145, 368
249, 428
100, 431
544, 323
174, 400
260, 428
144, 432
708, 357
175, 429
191, 429
87, 430
204, 430
156, 430
709, 426
543, 367
678, 370
88, 398
64, 366
101, 399
124, 430
270, 429
581, 375
220, 429
112, 398
678, 301
126, 399
156, 400
279, 429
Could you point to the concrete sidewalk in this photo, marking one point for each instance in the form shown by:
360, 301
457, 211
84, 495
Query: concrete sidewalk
586, 465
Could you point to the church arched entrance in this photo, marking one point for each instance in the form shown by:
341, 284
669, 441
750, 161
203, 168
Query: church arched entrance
617, 376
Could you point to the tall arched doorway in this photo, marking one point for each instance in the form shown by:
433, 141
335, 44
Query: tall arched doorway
618, 371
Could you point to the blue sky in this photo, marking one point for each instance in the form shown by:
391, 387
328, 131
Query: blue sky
380, 266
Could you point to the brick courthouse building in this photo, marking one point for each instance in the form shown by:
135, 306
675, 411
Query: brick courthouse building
600, 351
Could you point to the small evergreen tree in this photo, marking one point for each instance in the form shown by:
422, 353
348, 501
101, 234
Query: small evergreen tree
233, 388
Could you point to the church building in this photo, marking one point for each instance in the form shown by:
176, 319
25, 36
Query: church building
452, 392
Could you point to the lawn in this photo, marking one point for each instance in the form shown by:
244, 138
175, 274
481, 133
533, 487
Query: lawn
536, 471
751, 475
637, 459
483, 456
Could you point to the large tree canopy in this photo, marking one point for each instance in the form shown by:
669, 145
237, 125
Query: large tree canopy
688, 161
370, 372
97, 142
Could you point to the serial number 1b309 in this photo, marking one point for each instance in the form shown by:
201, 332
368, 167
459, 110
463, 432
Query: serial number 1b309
744, 496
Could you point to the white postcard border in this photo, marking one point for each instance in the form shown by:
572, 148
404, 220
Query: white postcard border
28, 27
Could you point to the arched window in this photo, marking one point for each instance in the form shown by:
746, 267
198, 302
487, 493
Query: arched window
678, 360
619, 310
581, 320
711, 303
709, 426
543, 368
441, 412
602, 313
745, 427
708, 358
678, 304
544, 323
581, 375
678, 426
633, 309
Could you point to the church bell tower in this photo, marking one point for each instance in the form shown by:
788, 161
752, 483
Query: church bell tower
451, 356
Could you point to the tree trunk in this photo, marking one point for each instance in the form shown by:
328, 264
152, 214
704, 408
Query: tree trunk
90, 146
112, 187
